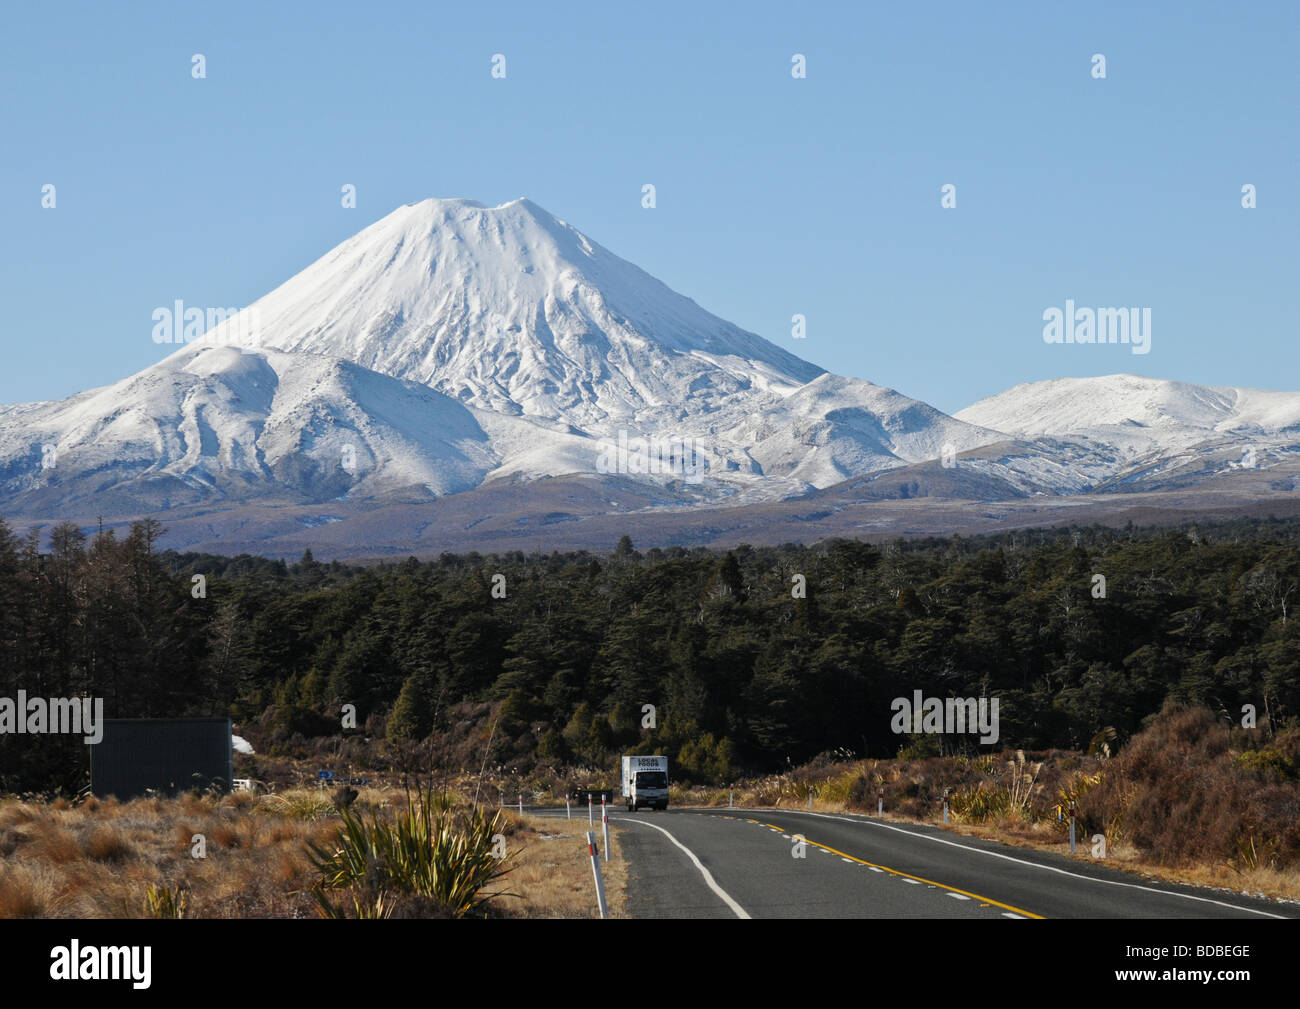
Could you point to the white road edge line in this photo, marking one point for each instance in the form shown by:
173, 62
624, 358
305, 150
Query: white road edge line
739, 911
1035, 865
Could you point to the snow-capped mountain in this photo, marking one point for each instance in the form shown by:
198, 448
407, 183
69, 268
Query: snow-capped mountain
218, 424
1130, 432
1134, 411
511, 309
448, 344
453, 357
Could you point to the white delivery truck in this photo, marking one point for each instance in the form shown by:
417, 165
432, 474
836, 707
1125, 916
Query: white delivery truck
645, 782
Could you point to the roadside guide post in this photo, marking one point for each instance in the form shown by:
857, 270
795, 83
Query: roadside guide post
595, 872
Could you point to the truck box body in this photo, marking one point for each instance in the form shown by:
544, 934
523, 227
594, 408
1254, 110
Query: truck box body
645, 782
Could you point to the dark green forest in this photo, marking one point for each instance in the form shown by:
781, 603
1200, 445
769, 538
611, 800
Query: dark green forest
747, 673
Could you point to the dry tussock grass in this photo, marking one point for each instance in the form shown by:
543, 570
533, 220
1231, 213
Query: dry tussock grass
107, 844
554, 879
34, 890
97, 859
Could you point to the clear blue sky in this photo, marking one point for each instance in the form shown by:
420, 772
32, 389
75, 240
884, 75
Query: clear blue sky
775, 196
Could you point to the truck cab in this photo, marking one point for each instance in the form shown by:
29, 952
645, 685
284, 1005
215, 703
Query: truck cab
645, 782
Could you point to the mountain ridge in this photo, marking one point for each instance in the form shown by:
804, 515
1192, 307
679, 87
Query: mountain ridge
449, 345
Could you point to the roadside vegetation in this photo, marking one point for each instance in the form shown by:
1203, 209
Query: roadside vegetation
303, 853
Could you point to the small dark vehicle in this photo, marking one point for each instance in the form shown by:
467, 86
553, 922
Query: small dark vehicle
579, 795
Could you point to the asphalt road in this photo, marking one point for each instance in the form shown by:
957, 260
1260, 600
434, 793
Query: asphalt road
730, 863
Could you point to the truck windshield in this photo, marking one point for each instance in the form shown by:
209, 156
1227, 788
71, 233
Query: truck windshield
651, 779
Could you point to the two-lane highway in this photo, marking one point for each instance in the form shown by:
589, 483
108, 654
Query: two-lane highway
728, 863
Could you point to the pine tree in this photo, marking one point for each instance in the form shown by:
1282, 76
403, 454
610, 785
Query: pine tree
412, 716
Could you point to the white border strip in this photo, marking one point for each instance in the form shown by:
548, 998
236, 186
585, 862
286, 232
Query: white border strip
739, 911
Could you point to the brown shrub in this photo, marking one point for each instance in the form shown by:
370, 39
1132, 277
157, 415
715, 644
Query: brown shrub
289, 869
11, 839
241, 801
14, 813
106, 844
195, 805
54, 844
282, 832
226, 836
1178, 792
19, 897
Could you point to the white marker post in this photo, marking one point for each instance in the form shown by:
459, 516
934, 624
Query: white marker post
590, 820
604, 823
1071, 830
595, 871
568, 813
731, 799
521, 803
880, 803
945, 811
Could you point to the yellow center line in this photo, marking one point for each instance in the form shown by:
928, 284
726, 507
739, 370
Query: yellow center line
908, 875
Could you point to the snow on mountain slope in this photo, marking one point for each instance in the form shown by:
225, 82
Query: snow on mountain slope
449, 344
511, 309
834, 428
212, 422
1132, 409
515, 313
1126, 432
